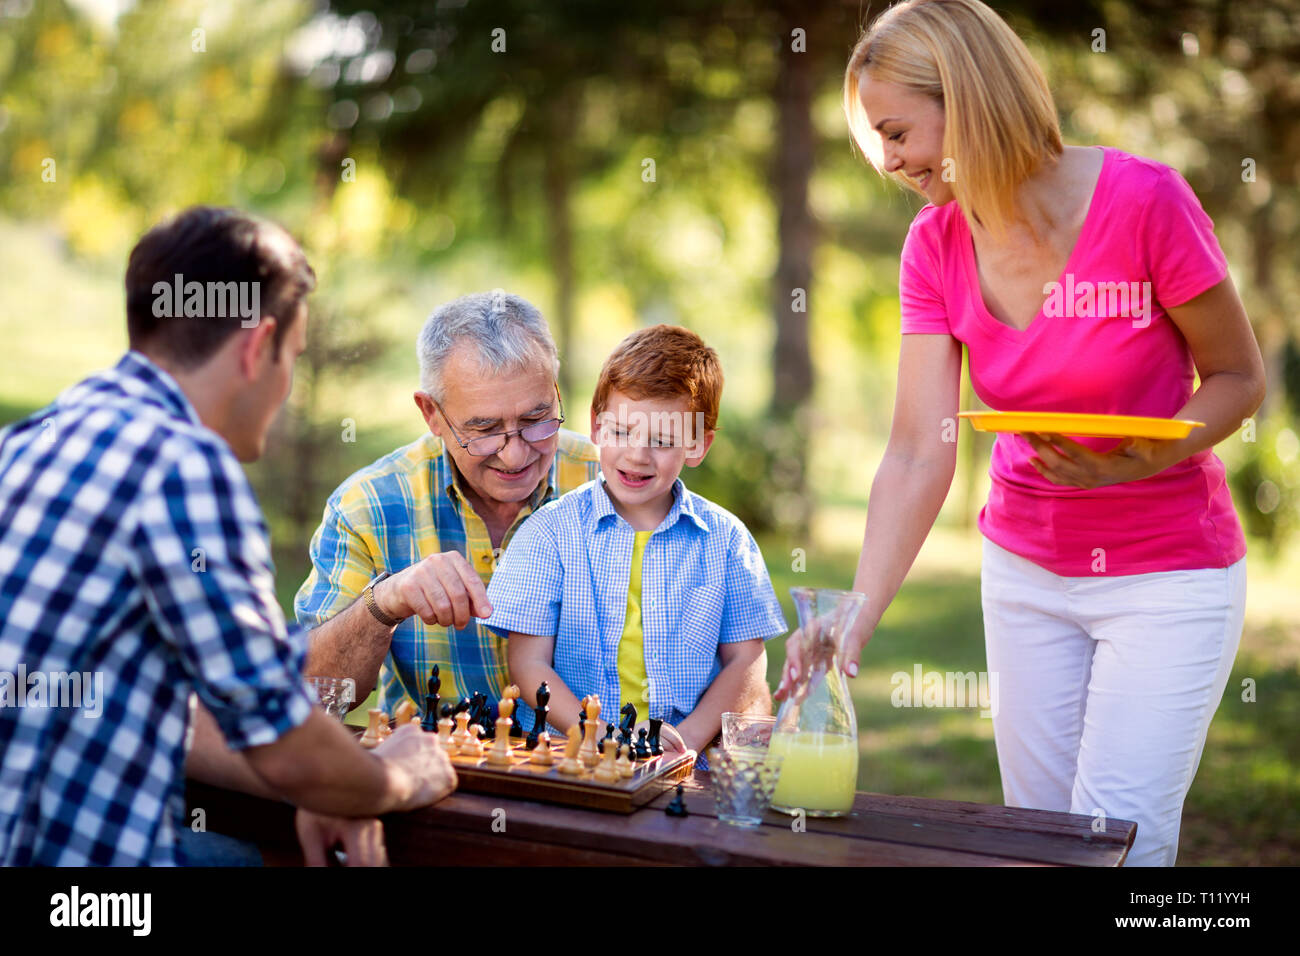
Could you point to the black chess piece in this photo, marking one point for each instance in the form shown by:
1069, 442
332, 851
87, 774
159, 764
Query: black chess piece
642, 749
462, 707
478, 715
655, 749
609, 732
625, 725
430, 721
677, 808
540, 714
435, 681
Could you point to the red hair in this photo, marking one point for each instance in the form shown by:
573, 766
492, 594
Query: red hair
664, 361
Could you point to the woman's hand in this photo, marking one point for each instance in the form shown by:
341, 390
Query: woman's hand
793, 667
1065, 462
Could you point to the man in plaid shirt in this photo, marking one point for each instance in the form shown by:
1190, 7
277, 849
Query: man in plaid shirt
407, 545
133, 554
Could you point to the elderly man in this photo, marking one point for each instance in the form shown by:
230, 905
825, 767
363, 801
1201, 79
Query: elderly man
407, 546
416, 534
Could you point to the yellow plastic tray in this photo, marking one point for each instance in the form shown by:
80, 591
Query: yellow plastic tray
1074, 423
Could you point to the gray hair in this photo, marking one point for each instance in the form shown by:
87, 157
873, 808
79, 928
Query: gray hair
508, 332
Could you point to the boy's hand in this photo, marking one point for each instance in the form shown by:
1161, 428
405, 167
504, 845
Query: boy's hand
670, 740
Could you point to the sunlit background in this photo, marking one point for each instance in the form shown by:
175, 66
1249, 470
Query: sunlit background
626, 164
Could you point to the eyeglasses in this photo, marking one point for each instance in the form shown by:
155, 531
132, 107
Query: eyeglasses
485, 445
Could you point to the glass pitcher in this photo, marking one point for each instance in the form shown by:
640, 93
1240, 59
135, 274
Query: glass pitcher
816, 729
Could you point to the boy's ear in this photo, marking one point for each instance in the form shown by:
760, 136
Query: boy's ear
696, 452
595, 427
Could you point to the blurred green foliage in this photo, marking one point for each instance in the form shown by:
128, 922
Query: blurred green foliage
416, 163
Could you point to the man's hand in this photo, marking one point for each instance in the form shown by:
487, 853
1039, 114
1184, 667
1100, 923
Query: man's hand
421, 758
1065, 462
362, 838
442, 589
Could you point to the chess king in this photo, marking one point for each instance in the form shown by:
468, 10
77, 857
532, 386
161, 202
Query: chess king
407, 545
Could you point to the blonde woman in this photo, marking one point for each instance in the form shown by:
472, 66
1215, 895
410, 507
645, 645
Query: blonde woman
1113, 577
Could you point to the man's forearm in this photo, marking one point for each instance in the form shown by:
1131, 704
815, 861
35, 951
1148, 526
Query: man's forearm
210, 760
350, 644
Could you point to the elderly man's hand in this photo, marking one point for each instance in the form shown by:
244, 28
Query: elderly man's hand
442, 589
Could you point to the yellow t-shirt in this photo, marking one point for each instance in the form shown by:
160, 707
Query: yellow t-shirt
632, 683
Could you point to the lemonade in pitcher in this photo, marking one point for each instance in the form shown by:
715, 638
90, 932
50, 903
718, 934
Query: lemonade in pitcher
817, 730
819, 774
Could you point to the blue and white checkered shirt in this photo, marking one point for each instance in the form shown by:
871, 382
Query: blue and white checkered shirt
134, 569
703, 583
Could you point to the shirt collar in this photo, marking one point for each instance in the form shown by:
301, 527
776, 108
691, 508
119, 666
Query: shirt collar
602, 506
141, 378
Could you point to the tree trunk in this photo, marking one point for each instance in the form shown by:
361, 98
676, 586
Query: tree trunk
792, 371
559, 188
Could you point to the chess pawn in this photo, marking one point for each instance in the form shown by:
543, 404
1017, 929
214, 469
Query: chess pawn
461, 737
473, 746
371, 738
385, 729
499, 755
642, 748
607, 772
542, 755
626, 768
571, 764
444, 737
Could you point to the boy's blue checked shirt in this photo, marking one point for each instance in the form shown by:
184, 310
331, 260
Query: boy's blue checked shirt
703, 583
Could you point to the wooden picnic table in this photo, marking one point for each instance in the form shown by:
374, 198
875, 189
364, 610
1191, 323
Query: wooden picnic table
468, 829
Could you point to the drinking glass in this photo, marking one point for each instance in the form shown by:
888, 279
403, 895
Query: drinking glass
335, 694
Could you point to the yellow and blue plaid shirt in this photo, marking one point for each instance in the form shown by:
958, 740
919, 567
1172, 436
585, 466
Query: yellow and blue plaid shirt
392, 514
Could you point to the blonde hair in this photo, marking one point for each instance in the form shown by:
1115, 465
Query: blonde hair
1000, 122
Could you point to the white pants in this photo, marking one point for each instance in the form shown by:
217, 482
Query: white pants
1106, 687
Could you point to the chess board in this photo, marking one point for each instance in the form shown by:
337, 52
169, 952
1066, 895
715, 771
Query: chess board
529, 781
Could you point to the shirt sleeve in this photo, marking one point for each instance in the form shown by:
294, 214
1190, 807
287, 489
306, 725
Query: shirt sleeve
527, 585
1183, 256
204, 566
342, 564
752, 610
920, 287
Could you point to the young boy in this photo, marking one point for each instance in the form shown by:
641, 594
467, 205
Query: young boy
630, 586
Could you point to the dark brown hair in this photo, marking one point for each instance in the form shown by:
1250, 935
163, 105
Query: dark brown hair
221, 246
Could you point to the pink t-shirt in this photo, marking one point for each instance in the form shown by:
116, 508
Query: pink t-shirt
1096, 346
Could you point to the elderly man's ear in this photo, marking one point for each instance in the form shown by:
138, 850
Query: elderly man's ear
430, 412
